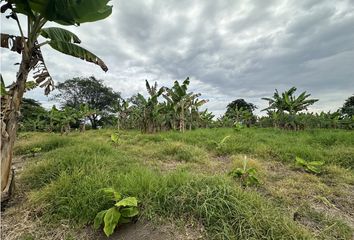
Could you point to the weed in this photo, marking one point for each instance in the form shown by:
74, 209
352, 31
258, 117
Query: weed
238, 126
34, 150
247, 176
221, 146
123, 211
312, 167
115, 139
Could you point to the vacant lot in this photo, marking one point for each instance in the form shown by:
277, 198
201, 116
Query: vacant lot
183, 184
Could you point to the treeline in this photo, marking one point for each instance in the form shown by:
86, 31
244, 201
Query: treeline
286, 111
87, 102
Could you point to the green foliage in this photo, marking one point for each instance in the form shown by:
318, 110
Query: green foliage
247, 176
181, 152
238, 126
115, 138
75, 12
240, 111
286, 101
38, 13
3, 91
238, 104
220, 146
312, 167
35, 150
30, 85
286, 105
348, 107
90, 92
62, 183
122, 212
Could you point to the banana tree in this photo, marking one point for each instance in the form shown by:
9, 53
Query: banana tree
37, 13
150, 107
194, 106
84, 112
180, 99
288, 102
122, 109
206, 118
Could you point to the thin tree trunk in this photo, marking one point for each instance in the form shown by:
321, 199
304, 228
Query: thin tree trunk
118, 123
10, 107
190, 124
181, 121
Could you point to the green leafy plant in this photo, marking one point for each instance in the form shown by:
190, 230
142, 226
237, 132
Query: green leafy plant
246, 175
115, 138
238, 126
35, 150
312, 167
222, 143
123, 211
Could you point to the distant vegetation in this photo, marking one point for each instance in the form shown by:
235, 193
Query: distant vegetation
87, 102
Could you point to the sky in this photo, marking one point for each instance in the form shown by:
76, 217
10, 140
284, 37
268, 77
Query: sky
230, 49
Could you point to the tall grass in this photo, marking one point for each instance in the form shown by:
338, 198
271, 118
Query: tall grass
331, 146
64, 181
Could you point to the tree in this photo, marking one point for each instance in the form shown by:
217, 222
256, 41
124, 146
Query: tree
238, 104
91, 92
241, 111
37, 14
194, 105
287, 105
348, 107
150, 107
206, 118
288, 102
33, 115
181, 100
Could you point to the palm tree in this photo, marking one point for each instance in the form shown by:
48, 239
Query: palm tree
38, 13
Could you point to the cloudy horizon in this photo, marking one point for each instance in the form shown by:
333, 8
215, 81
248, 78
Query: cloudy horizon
229, 49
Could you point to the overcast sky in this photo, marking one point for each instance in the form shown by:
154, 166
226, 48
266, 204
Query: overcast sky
229, 49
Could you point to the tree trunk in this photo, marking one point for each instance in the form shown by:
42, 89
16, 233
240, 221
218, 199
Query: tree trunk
10, 109
190, 124
118, 122
93, 121
181, 121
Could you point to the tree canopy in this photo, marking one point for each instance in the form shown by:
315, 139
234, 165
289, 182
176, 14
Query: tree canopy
238, 104
348, 107
91, 92
288, 102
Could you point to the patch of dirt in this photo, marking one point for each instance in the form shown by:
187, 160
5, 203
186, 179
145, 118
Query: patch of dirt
168, 166
149, 231
298, 188
217, 165
18, 223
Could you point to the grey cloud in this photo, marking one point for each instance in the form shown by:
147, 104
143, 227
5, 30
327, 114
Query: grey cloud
230, 49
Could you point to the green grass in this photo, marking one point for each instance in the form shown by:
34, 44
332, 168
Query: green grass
331, 146
63, 181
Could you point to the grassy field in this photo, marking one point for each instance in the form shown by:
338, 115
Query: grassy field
183, 179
